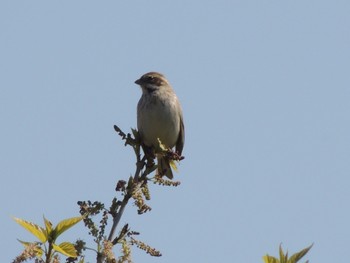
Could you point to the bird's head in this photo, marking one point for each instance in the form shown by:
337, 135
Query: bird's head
152, 81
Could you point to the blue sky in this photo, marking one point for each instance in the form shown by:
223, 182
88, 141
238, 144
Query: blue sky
265, 90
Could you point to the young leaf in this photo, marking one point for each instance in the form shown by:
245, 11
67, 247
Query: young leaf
36, 230
161, 145
297, 256
66, 249
66, 224
48, 226
173, 165
283, 258
269, 259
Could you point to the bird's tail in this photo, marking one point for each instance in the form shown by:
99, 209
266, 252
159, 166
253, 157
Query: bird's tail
164, 167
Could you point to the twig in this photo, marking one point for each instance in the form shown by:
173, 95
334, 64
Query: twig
117, 217
139, 166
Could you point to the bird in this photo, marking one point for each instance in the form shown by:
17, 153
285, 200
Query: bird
160, 118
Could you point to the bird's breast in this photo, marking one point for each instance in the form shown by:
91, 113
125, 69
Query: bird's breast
158, 119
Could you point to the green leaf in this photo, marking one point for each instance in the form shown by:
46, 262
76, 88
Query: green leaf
25, 243
269, 259
161, 145
66, 224
66, 249
48, 226
173, 165
283, 258
36, 230
297, 256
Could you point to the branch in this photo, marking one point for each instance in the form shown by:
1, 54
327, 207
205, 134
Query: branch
134, 183
137, 189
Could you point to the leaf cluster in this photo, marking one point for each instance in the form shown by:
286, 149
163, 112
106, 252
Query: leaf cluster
46, 249
284, 256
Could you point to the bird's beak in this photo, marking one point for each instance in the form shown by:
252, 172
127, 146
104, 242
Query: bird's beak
138, 82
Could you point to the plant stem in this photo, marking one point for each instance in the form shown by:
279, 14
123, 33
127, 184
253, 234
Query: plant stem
117, 217
139, 166
49, 252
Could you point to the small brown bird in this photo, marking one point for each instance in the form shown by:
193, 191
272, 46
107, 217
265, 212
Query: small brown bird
159, 116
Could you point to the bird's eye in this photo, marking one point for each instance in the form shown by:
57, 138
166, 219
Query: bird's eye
150, 78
